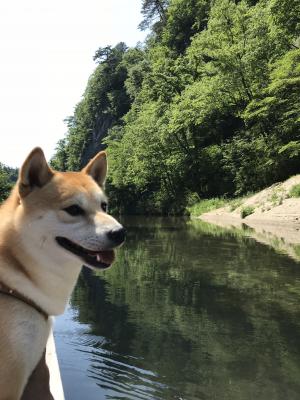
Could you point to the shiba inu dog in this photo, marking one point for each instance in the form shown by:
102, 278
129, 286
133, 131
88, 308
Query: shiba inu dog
52, 223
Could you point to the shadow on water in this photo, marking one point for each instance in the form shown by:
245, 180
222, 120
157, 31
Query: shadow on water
188, 311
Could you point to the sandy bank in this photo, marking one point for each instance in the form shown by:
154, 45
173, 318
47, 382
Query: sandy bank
271, 207
275, 219
282, 221
283, 236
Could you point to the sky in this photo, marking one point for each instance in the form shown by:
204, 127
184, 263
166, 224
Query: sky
46, 58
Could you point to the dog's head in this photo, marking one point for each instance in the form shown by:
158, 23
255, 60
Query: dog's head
65, 213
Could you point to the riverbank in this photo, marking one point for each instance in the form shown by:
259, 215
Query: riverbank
271, 216
283, 236
278, 204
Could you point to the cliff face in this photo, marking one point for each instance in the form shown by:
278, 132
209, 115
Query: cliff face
95, 140
102, 107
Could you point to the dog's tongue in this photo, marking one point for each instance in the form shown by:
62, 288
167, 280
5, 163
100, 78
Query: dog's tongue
107, 256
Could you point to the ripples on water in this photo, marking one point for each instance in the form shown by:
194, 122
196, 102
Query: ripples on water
187, 312
117, 375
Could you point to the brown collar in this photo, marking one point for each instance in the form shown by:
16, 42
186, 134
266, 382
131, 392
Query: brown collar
14, 293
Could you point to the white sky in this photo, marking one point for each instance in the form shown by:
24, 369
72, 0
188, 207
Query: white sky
46, 58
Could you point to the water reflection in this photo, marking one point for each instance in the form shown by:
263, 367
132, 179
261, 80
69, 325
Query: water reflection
187, 312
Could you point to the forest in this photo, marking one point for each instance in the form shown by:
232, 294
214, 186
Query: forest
7, 178
208, 106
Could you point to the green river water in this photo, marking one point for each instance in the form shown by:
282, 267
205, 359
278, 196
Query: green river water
188, 311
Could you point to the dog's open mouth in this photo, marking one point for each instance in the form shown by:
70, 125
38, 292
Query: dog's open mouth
98, 259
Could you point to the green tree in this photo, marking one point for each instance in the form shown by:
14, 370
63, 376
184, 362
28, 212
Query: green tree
60, 160
151, 10
286, 16
5, 182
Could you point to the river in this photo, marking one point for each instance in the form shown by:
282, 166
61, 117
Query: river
188, 311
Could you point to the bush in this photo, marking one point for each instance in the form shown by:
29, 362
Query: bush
245, 211
204, 206
295, 191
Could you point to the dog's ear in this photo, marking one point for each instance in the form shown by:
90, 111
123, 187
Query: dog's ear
97, 168
35, 172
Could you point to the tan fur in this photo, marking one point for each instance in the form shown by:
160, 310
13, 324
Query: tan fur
32, 262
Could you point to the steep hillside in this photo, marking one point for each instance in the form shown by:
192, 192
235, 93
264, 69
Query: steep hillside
208, 107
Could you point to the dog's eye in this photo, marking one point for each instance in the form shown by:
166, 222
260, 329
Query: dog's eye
74, 210
104, 206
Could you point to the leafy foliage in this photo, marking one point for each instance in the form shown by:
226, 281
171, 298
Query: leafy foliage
245, 211
295, 191
153, 10
7, 178
208, 106
206, 205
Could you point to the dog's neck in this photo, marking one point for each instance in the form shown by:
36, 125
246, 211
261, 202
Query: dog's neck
46, 283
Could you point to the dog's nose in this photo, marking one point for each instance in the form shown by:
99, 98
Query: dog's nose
117, 236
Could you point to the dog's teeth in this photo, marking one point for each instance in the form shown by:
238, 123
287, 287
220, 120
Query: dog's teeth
98, 257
